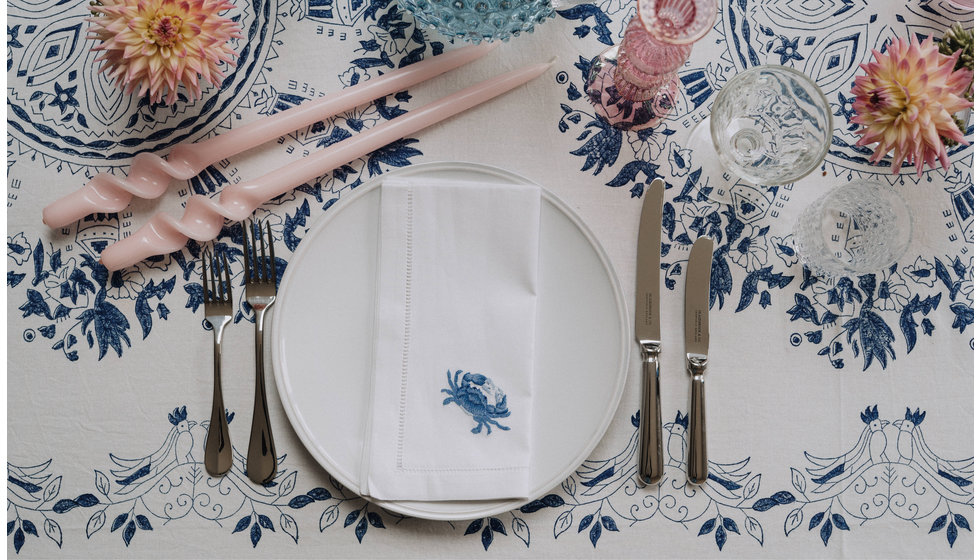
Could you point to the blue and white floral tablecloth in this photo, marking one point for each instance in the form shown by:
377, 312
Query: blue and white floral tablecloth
841, 414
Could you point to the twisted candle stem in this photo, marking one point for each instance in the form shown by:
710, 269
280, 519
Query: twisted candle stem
203, 216
150, 175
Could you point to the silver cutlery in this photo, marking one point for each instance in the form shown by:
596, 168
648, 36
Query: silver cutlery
217, 312
647, 329
696, 294
260, 293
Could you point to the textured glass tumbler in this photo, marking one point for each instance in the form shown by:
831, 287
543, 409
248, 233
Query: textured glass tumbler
858, 228
770, 125
478, 20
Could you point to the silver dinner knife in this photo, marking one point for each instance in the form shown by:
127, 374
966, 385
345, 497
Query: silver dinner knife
696, 340
647, 329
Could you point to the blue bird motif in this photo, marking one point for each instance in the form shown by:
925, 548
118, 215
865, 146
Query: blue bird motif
723, 479
677, 440
601, 478
829, 472
905, 426
479, 397
175, 450
951, 477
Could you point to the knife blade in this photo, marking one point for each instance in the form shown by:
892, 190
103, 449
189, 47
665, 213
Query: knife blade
696, 293
647, 330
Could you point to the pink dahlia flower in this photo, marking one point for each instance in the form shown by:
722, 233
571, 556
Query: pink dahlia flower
906, 103
152, 46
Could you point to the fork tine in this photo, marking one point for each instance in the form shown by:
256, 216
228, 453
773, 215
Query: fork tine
265, 263
204, 274
227, 292
215, 294
256, 265
272, 252
248, 273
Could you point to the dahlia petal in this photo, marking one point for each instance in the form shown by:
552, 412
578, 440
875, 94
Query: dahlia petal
905, 100
142, 51
944, 159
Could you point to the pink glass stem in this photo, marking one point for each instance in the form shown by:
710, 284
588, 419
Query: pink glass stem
646, 64
203, 216
150, 175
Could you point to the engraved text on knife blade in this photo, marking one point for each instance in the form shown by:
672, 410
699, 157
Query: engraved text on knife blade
649, 316
698, 325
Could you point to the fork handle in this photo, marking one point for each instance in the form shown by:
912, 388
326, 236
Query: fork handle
217, 446
261, 464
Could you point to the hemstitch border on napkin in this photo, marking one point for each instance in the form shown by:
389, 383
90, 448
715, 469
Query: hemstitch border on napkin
407, 334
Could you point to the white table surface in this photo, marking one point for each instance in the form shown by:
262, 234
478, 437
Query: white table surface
108, 367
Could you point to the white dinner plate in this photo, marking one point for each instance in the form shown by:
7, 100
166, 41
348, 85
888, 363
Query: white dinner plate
323, 340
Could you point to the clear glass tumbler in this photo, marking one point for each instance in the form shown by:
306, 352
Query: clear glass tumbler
857, 228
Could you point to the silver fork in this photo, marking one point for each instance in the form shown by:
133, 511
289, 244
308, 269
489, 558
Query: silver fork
217, 311
260, 293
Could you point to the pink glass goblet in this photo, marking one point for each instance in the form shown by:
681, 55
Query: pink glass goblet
634, 85
680, 22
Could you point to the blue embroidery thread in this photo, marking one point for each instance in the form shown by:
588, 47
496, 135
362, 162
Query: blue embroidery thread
479, 397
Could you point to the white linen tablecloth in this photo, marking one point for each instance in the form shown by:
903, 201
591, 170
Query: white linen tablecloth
868, 379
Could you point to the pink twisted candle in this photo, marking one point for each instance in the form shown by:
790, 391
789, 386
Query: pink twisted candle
150, 175
203, 216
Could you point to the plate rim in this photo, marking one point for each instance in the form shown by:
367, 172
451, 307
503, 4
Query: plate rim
480, 508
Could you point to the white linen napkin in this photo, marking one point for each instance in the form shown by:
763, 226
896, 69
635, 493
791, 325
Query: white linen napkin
450, 412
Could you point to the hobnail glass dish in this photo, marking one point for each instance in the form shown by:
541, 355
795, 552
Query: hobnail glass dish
479, 20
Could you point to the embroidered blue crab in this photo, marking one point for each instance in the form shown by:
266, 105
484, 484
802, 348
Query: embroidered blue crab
479, 397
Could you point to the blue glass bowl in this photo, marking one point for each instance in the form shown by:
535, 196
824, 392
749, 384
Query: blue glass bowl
478, 20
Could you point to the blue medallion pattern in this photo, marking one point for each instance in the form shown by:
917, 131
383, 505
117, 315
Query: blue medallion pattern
70, 115
479, 397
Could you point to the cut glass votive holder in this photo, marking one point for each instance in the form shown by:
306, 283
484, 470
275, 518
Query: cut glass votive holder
858, 228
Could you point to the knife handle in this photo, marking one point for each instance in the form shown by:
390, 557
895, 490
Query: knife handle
697, 459
651, 435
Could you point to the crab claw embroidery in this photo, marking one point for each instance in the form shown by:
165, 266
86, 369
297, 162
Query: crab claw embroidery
479, 397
